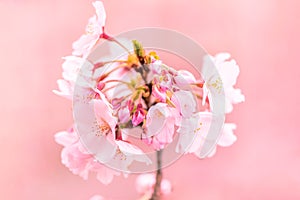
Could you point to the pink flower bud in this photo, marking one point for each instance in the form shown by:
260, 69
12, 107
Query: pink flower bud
100, 85
139, 115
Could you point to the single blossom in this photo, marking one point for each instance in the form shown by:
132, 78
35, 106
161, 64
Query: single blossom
160, 125
94, 30
79, 160
220, 75
99, 132
102, 140
193, 131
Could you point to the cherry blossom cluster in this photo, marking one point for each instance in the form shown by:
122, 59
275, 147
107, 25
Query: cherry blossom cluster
139, 92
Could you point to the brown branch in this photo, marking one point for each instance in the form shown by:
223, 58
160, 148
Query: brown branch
156, 193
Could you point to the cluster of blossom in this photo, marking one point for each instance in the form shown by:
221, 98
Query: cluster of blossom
140, 92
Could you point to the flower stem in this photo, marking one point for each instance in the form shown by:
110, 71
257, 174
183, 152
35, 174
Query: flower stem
112, 39
156, 192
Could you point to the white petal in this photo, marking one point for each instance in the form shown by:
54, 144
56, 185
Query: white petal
134, 152
100, 11
65, 138
227, 138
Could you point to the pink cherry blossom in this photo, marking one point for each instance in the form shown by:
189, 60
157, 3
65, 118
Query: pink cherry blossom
114, 108
79, 161
145, 182
160, 125
221, 74
94, 29
104, 140
97, 128
193, 131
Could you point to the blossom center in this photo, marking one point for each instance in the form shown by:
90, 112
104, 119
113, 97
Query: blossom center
101, 129
217, 84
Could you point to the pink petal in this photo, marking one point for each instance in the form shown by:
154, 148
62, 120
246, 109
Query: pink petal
133, 152
184, 78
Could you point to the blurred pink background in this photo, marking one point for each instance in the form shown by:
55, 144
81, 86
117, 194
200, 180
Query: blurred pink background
262, 35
